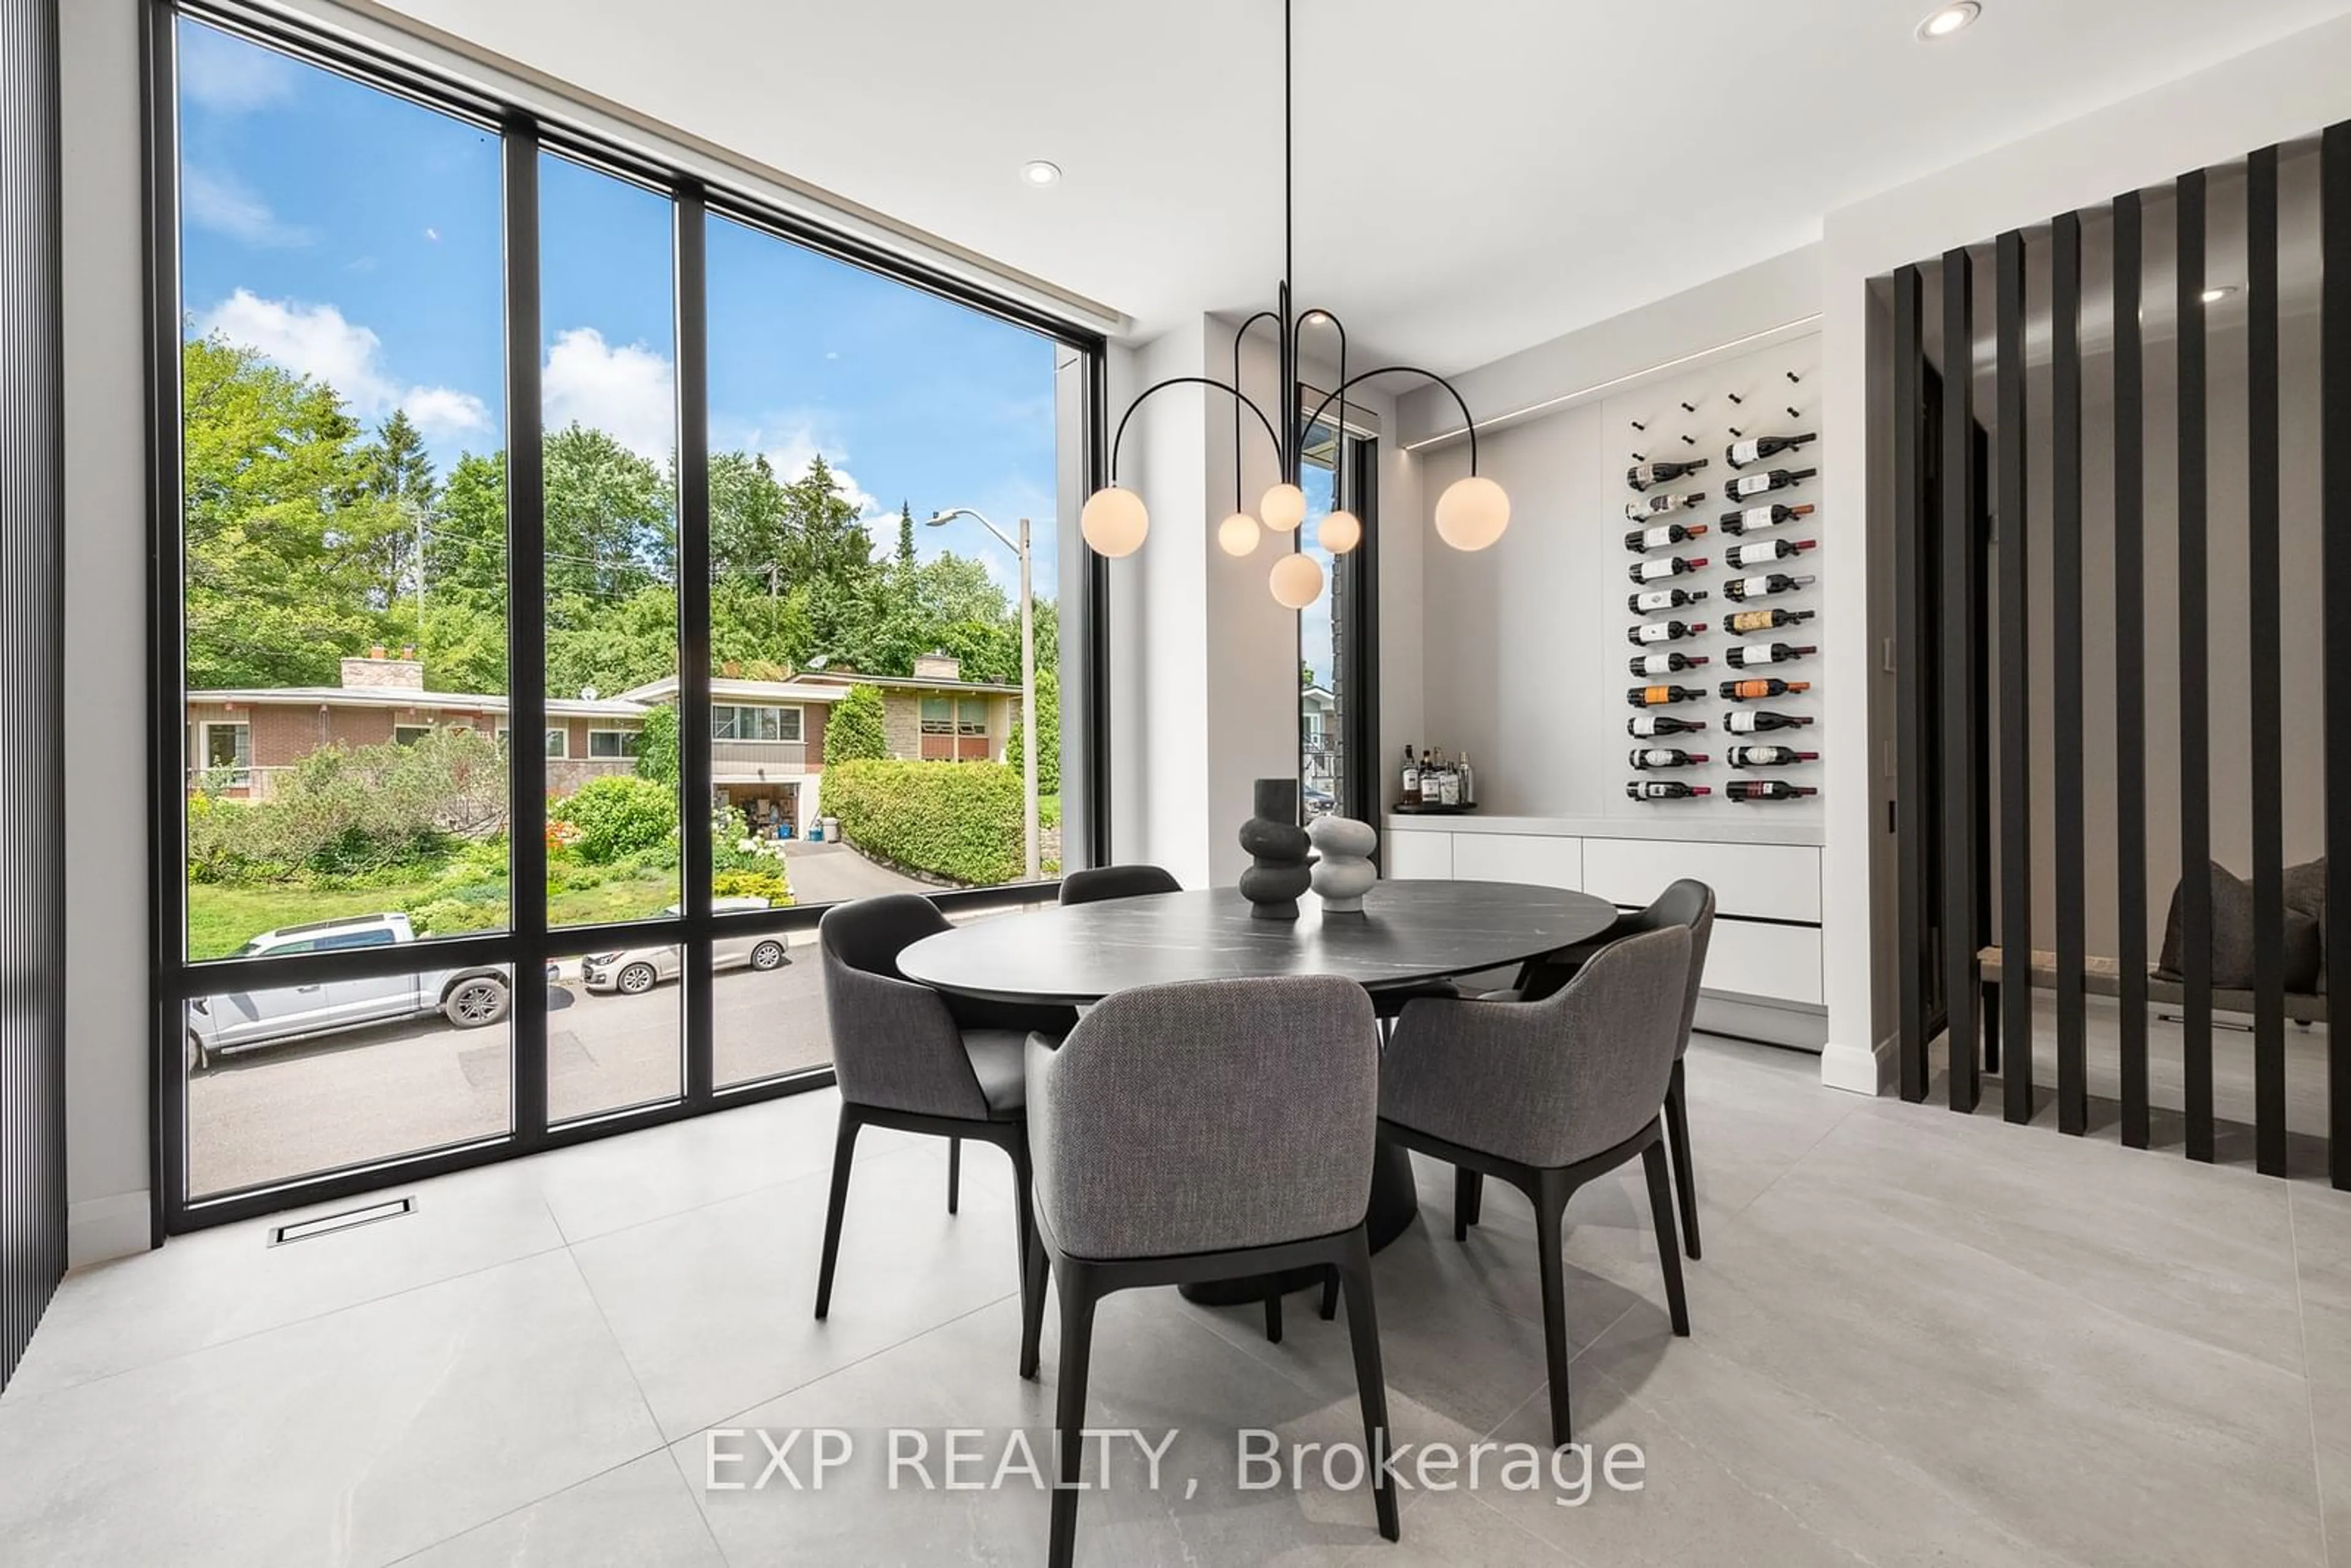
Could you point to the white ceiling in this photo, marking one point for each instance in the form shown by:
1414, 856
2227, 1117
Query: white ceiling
1474, 176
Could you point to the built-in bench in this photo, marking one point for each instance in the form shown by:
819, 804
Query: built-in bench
2104, 978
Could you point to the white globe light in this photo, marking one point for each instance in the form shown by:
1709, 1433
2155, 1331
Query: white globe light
1340, 533
1297, 580
1472, 513
1114, 522
1283, 508
1237, 535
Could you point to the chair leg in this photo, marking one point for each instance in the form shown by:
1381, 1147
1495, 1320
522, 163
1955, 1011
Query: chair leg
1678, 1135
1036, 1269
844, 1149
1329, 1294
1550, 1211
1069, 1412
1273, 1318
955, 1173
1024, 1234
1670, 1252
1469, 1200
1371, 1381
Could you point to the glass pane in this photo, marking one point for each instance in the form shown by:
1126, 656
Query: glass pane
767, 997
614, 1037
304, 1079
610, 406
1320, 627
342, 372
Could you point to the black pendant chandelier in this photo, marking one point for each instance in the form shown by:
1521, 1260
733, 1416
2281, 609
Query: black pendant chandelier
1470, 514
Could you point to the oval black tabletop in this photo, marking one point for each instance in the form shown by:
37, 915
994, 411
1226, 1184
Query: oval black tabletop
1409, 932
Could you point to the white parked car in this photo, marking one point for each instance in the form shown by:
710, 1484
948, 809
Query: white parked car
633, 971
236, 1021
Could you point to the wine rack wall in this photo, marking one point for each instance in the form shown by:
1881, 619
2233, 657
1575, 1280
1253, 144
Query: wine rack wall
1730, 457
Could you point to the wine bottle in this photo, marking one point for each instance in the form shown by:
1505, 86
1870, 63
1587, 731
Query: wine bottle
1761, 721
1745, 588
1648, 756
1663, 599
1748, 655
1641, 475
1756, 690
1738, 454
1764, 552
1658, 506
1410, 793
1662, 631
1771, 517
1662, 535
1748, 484
1649, 726
1664, 789
1665, 663
1745, 622
1769, 789
1664, 566
1769, 756
1659, 696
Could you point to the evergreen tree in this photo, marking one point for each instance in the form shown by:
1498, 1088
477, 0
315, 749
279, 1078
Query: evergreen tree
906, 536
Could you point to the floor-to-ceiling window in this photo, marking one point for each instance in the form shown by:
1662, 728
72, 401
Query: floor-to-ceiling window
473, 429
1334, 674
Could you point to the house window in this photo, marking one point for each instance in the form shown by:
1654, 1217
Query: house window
938, 716
229, 752
611, 745
558, 742
971, 717
410, 733
729, 722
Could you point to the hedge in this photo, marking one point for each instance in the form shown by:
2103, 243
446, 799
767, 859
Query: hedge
960, 821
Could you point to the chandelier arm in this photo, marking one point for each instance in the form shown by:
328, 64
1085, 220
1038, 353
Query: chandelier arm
1261, 316
1458, 400
1339, 458
1118, 439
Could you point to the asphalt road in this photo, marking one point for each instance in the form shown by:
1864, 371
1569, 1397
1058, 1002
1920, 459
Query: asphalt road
831, 873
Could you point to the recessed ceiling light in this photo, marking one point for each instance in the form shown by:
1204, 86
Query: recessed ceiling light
1036, 172
2214, 295
1943, 23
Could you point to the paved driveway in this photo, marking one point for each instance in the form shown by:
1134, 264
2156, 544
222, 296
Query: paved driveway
829, 873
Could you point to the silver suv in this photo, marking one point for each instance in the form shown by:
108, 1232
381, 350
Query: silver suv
234, 1021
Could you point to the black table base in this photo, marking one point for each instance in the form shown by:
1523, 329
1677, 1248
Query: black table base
1396, 1203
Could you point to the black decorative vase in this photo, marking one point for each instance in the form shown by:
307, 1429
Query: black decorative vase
1278, 849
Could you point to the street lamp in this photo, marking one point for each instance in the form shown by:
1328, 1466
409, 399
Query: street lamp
1028, 679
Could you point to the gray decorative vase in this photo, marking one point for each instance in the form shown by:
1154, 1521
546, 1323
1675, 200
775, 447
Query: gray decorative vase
1343, 870
1278, 853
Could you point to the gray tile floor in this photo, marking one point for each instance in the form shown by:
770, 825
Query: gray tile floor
1919, 1338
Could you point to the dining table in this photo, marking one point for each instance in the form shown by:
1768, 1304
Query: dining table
1407, 935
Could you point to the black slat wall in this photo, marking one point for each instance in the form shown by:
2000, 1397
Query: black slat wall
1912, 917
2130, 666
2015, 661
32, 591
1957, 573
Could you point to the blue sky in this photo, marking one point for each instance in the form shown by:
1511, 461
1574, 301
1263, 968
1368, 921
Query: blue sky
355, 237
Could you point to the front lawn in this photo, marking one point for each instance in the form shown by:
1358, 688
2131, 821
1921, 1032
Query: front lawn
222, 919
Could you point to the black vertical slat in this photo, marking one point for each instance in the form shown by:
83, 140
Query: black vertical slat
525, 632
1957, 705
2195, 693
167, 879
2262, 487
2130, 667
1909, 791
2068, 836
2334, 441
694, 762
2015, 689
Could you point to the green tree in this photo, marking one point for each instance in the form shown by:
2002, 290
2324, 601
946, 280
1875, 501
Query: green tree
607, 646
612, 526
657, 747
1049, 733
749, 521
854, 731
906, 536
824, 540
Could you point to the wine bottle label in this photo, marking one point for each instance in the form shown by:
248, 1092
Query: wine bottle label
1740, 723
1657, 664
1663, 534
1655, 599
1653, 569
1658, 757
1751, 485
1653, 695
1758, 517
1746, 452
1643, 726
1755, 585
1657, 631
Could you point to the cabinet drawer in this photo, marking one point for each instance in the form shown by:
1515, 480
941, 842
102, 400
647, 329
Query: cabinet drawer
1781, 962
1771, 882
1418, 857
1538, 858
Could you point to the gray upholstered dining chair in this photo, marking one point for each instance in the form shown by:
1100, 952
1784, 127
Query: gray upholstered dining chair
1548, 1094
1202, 1131
1688, 904
1096, 883
908, 1058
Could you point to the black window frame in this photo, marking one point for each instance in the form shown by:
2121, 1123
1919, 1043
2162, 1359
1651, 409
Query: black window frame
523, 948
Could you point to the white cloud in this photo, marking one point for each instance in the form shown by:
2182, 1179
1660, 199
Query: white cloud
445, 412
789, 453
630, 393
315, 341
229, 76
225, 204
433, 234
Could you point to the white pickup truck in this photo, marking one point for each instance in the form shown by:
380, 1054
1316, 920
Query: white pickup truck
236, 1021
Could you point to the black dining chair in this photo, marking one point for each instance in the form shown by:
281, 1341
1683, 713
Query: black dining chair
1548, 1095
1202, 1131
1095, 883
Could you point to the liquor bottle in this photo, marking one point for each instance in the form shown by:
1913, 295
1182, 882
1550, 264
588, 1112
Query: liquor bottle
1745, 588
1664, 789
1742, 623
1641, 475
1662, 631
1659, 696
1649, 726
1762, 721
1664, 566
1663, 599
1764, 552
1738, 454
1658, 506
1469, 781
1757, 690
1646, 758
1665, 663
1769, 789
1448, 782
1662, 535
1769, 756
1748, 484
1410, 794
1771, 517
1749, 655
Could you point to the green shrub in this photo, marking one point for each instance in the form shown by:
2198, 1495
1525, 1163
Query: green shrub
960, 821
854, 730
617, 815
770, 885
657, 747
447, 916
1048, 734
354, 813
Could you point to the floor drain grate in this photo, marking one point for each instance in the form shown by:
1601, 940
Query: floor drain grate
344, 1220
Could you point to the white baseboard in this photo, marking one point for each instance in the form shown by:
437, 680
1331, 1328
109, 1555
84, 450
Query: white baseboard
1858, 1070
108, 1228
1794, 1025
